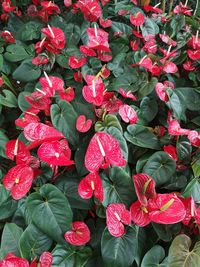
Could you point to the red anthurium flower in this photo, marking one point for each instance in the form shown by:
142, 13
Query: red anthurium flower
167, 40
105, 72
90, 9
171, 151
40, 60
86, 51
194, 138
68, 3
79, 235
116, 216
91, 185
83, 125
8, 37
182, 9
98, 39
50, 84
50, 7
39, 133
139, 214
188, 65
55, 153
150, 46
17, 149
137, 19
194, 41
128, 114
144, 187
18, 180
146, 63
166, 209
153, 9
12, 261
68, 94
134, 45
38, 100
174, 128
103, 150
111, 103
105, 23
190, 208
76, 63
128, 94
194, 54
28, 117
93, 92
161, 90
103, 56
137, 34
46, 259
78, 77
170, 67
55, 36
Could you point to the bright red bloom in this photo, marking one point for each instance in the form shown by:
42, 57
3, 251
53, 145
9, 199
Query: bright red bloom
90, 9
194, 42
128, 114
171, 151
12, 261
83, 125
166, 209
40, 60
93, 92
38, 100
190, 208
182, 9
79, 235
78, 77
144, 187
102, 151
161, 90
48, 8
134, 45
170, 67
91, 185
28, 117
15, 149
105, 23
152, 9
67, 3
18, 180
150, 46
68, 94
39, 133
55, 36
111, 103
139, 214
76, 63
188, 65
167, 40
6, 6
86, 51
55, 153
174, 128
46, 259
105, 73
194, 54
128, 94
194, 138
8, 37
137, 19
98, 39
50, 84
116, 216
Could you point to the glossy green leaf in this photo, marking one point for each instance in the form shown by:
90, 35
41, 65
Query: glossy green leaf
26, 72
155, 257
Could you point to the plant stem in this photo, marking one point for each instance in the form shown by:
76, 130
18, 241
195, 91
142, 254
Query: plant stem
196, 8
163, 5
170, 6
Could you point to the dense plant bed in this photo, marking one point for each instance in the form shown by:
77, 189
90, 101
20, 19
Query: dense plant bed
99, 140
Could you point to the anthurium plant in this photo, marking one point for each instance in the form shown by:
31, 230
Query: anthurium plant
99, 133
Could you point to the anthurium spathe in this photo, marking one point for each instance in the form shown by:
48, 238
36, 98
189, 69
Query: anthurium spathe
91, 185
79, 235
82, 124
46, 259
161, 90
166, 209
98, 39
171, 151
194, 138
90, 8
139, 214
103, 150
116, 216
76, 63
175, 129
144, 187
137, 19
18, 180
38, 100
50, 84
128, 94
55, 153
128, 114
13, 261
15, 149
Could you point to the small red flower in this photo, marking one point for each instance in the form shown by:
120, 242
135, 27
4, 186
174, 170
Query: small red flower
29, 116
83, 125
137, 19
134, 45
128, 94
191, 210
38, 100
171, 151
174, 128
102, 151
188, 65
139, 214
167, 40
194, 54
161, 90
68, 94
86, 51
40, 60
12, 261
152, 9
98, 39
111, 103
76, 63
166, 209
170, 67
79, 235
91, 185
68, 3
18, 180
105, 23
182, 9
50, 84
194, 138
8, 37
128, 114
116, 216
46, 259
55, 36
144, 187
55, 153
90, 9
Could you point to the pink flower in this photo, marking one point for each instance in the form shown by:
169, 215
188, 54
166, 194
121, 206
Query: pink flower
194, 138
161, 90
137, 19
175, 129
83, 125
128, 114
139, 214
12, 261
79, 235
76, 63
170, 67
98, 39
128, 94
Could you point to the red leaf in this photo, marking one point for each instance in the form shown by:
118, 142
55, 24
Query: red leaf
91, 185
139, 214
103, 149
144, 187
46, 259
18, 180
128, 114
166, 209
16, 148
137, 19
116, 216
83, 125
55, 153
79, 235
